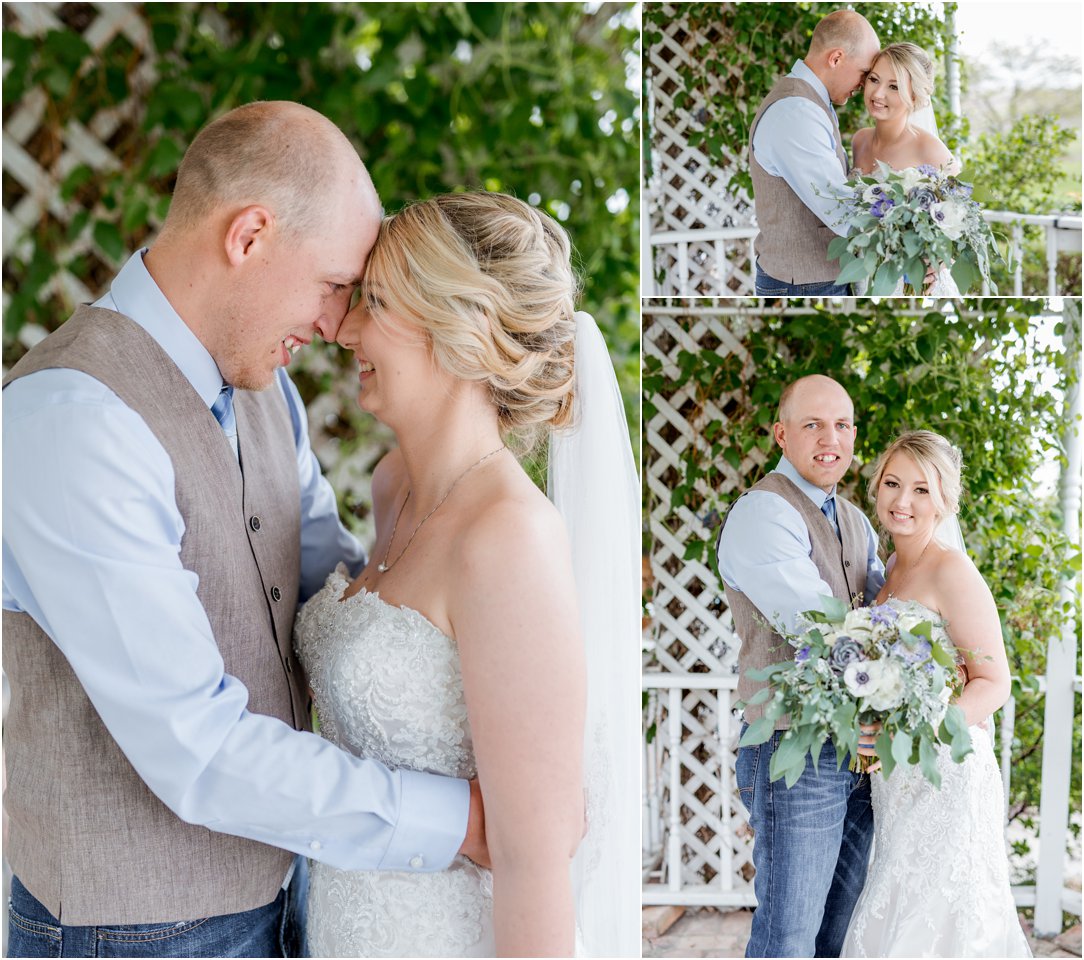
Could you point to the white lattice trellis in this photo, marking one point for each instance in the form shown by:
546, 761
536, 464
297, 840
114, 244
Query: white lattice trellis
695, 644
38, 156
691, 188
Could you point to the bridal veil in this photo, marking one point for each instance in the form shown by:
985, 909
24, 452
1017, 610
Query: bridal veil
594, 485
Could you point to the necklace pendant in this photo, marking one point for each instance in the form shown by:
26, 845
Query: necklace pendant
382, 567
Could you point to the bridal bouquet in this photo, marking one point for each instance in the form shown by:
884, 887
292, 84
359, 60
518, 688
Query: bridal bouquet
902, 221
852, 667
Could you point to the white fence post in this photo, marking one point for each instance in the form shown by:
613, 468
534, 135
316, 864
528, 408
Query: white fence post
1060, 677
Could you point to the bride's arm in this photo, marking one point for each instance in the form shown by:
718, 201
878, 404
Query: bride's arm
968, 606
516, 623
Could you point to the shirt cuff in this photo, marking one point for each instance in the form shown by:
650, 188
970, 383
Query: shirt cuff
432, 823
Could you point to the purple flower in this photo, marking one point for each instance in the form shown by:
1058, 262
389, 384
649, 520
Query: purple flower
845, 652
958, 189
919, 653
802, 655
882, 206
927, 170
883, 613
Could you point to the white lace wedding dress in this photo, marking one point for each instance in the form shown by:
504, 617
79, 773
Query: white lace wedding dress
387, 686
938, 881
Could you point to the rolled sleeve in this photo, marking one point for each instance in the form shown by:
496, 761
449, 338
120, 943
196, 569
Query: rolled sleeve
431, 824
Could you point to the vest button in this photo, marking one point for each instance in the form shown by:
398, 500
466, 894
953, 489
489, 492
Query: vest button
254, 522
276, 594
846, 563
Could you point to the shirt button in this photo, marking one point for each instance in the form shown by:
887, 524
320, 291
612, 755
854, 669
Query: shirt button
276, 594
846, 563
316, 845
417, 862
254, 522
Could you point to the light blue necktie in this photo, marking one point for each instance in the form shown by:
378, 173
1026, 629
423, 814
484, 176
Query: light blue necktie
222, 408
828, 508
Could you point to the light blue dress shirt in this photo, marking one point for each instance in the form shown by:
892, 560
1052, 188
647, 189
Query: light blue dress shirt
766, 553
91, 551
796, 140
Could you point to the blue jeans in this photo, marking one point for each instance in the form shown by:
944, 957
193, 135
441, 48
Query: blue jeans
770, 287
270, 931
810, 849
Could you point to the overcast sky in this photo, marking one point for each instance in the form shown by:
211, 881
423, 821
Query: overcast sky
1057, 25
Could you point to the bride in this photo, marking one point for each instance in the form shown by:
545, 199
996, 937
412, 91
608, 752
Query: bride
897, 92
460, 648
938, 884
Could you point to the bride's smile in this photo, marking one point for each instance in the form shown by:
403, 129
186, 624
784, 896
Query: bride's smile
904, 505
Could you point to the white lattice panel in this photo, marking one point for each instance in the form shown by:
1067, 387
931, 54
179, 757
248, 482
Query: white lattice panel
693, 629
37, 156
690, 188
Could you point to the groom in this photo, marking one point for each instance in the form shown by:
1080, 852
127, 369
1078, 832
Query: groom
785, 543
797, 160
163, 516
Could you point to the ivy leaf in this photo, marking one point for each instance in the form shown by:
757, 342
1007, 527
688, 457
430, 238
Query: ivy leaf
107, 236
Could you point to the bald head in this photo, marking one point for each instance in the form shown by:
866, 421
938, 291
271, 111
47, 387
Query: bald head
277, 154
841, 52
816, 429
811, 392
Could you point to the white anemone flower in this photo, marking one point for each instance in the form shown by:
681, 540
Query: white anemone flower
863, 677
950, 216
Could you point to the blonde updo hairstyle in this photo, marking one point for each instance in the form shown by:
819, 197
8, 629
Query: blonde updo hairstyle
490, 281
910, 60
937, 458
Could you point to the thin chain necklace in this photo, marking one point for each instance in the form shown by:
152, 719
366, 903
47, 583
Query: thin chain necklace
910, 570
384, 566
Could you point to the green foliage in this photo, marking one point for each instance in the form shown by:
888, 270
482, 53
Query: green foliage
972, 378
1021, 170
525, 98
745, 47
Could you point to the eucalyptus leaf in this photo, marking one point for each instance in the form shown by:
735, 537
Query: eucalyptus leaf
927, 760
759, 731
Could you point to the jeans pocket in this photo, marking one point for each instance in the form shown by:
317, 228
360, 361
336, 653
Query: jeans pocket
32, 938
186, 938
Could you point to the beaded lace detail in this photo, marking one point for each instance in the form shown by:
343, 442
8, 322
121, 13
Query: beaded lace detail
938, 881
388, 687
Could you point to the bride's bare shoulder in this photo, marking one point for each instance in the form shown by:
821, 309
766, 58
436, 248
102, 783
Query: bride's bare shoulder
513, 518
860, 144
932, 151
956, 572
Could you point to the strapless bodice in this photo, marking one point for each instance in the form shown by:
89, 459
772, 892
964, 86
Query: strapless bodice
386, 681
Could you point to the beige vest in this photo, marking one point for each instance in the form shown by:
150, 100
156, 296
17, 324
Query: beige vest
87, 836
792, 245
842, 565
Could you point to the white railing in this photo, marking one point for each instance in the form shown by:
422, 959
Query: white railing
710, 248
662, 830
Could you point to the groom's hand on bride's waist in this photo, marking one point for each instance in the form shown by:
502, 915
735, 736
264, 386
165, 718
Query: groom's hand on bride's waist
474, 845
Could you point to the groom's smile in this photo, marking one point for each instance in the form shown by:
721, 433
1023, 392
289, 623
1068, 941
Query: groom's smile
816, 430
